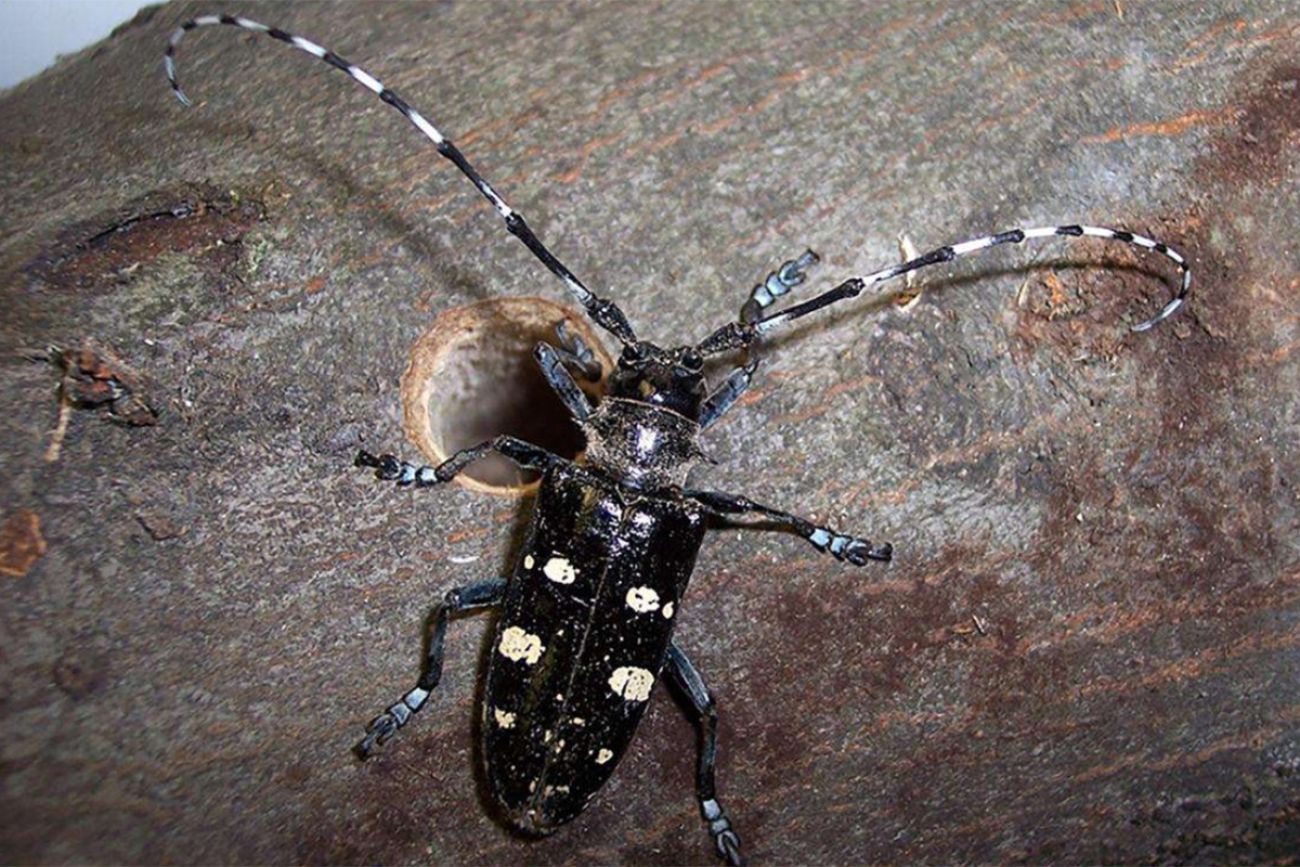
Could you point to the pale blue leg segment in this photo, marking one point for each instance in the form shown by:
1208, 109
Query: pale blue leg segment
778, 283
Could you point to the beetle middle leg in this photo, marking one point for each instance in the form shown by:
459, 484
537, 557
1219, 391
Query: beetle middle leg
687, 678
838, 545
480, 594
390, 468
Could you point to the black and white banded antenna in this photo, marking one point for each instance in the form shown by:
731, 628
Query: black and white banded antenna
739, 335
603, 312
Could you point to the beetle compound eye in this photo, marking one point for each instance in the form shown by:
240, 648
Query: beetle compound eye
472, 377
692, 360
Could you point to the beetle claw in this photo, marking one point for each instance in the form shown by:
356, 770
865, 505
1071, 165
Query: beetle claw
386, 467
859, 551
378, 732
729, 847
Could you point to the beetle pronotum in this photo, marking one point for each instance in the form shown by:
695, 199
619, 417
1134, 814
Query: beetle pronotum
587, 617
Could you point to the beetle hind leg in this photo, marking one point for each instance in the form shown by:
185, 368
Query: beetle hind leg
725, 840
481, 594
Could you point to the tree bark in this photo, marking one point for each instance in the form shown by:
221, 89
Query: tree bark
1085, 649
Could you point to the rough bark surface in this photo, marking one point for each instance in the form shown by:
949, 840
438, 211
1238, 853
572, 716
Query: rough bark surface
1086, 648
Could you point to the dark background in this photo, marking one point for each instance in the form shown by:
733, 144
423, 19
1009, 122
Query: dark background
1086, 648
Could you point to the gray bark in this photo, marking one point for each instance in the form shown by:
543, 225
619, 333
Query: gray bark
1086, 647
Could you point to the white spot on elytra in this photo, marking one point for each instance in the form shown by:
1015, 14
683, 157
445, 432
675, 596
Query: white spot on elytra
546, 737
643, 600
504, 718
631, 683
529, 562
519, 645
667, 611
579, 721
560, 570
603, 756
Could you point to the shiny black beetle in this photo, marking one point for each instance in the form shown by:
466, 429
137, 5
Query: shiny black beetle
586, 620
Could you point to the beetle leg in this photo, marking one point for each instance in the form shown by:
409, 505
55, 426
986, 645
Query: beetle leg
576, 354
554, 368
480, 594
841, 547
778, 283
736, 384
391, 469
688, 680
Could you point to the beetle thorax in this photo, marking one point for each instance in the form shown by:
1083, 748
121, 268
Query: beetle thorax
641, 445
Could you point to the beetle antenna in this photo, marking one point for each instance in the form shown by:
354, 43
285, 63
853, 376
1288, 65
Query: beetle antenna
603, 312
738, 335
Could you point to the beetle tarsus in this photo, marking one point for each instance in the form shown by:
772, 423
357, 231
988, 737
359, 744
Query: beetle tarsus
728, 845
556, 369
791, 273
577, 355
381, 728
390, 468
859, 552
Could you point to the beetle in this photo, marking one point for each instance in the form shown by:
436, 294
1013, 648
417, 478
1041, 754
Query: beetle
585, 629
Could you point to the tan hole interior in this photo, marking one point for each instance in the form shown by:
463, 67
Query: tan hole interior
472, 377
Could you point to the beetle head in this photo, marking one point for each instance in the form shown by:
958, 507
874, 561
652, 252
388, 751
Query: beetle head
668, 378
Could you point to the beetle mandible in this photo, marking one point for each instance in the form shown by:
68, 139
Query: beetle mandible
586, 620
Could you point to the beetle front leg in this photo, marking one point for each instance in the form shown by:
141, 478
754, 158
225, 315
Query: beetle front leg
777, 284
392, 469
579, 358
841, 547
722, 397
561, 381
688, 680
481, 594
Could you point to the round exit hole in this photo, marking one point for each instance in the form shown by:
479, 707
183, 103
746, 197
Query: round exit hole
472, 377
